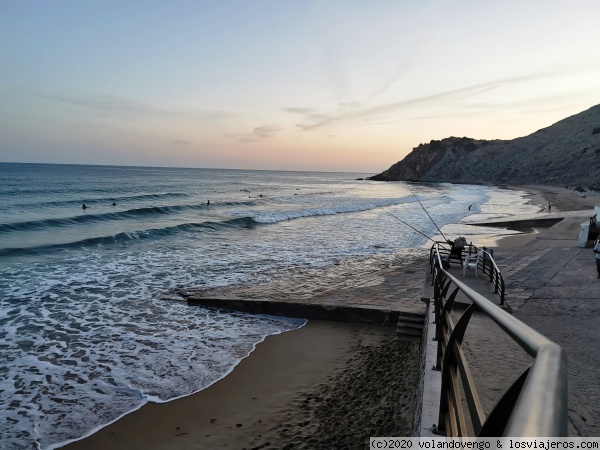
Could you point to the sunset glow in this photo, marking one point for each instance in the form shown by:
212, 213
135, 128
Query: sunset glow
293, 85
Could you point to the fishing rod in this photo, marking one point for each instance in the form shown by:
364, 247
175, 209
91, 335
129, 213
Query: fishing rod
409, 226
438, 228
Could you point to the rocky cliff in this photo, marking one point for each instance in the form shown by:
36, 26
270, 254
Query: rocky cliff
566, 153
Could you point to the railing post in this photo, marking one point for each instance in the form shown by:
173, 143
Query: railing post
437, 302
449, 361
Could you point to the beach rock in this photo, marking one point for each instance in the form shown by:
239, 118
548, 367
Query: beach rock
565, 153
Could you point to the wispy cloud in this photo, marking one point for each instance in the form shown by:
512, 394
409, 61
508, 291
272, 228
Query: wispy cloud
307, 114
181, 142
312, 120
257, 134
349, 106
310, 115
119, 107
301, 111
110, 104
395, 75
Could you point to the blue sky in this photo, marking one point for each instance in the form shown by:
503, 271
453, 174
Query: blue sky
299, 85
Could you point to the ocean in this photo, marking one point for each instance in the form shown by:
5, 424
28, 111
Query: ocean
91, 323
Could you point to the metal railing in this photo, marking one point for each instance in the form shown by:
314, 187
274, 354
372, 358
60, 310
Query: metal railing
534, 405
486, 265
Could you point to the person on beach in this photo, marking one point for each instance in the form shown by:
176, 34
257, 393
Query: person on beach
597, 252
549, 206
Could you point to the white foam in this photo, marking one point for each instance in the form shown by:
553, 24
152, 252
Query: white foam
97, 323
348, 206
77, 359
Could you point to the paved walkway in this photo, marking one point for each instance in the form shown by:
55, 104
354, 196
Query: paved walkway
551, 285
561, 299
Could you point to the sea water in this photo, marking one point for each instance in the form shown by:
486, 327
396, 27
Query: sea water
91, 325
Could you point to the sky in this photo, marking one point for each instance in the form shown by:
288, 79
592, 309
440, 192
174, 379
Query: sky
326, 85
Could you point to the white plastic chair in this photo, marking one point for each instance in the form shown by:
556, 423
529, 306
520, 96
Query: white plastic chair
471, 262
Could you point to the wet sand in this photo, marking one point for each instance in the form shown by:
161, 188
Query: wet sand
327, 385
561, 199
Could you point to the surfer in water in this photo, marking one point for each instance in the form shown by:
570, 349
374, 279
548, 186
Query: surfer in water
83, 206
208, 203
114, 204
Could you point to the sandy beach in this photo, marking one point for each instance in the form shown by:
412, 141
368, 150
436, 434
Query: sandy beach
326, 385
561, 199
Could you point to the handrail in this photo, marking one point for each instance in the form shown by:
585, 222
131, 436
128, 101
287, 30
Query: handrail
494, 272
535, 404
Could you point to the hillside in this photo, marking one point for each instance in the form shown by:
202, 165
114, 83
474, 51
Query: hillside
566, 153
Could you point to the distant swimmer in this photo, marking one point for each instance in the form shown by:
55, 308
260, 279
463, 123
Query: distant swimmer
260, 196
470, 207
83, 206
114, 204
208, 203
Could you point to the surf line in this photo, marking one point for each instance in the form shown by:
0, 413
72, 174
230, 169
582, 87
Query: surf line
417, 198
409, 226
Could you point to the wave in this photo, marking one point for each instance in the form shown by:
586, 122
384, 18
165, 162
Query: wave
266, 217
125, 237
102, 200
85, 218
136, 213
244, 220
